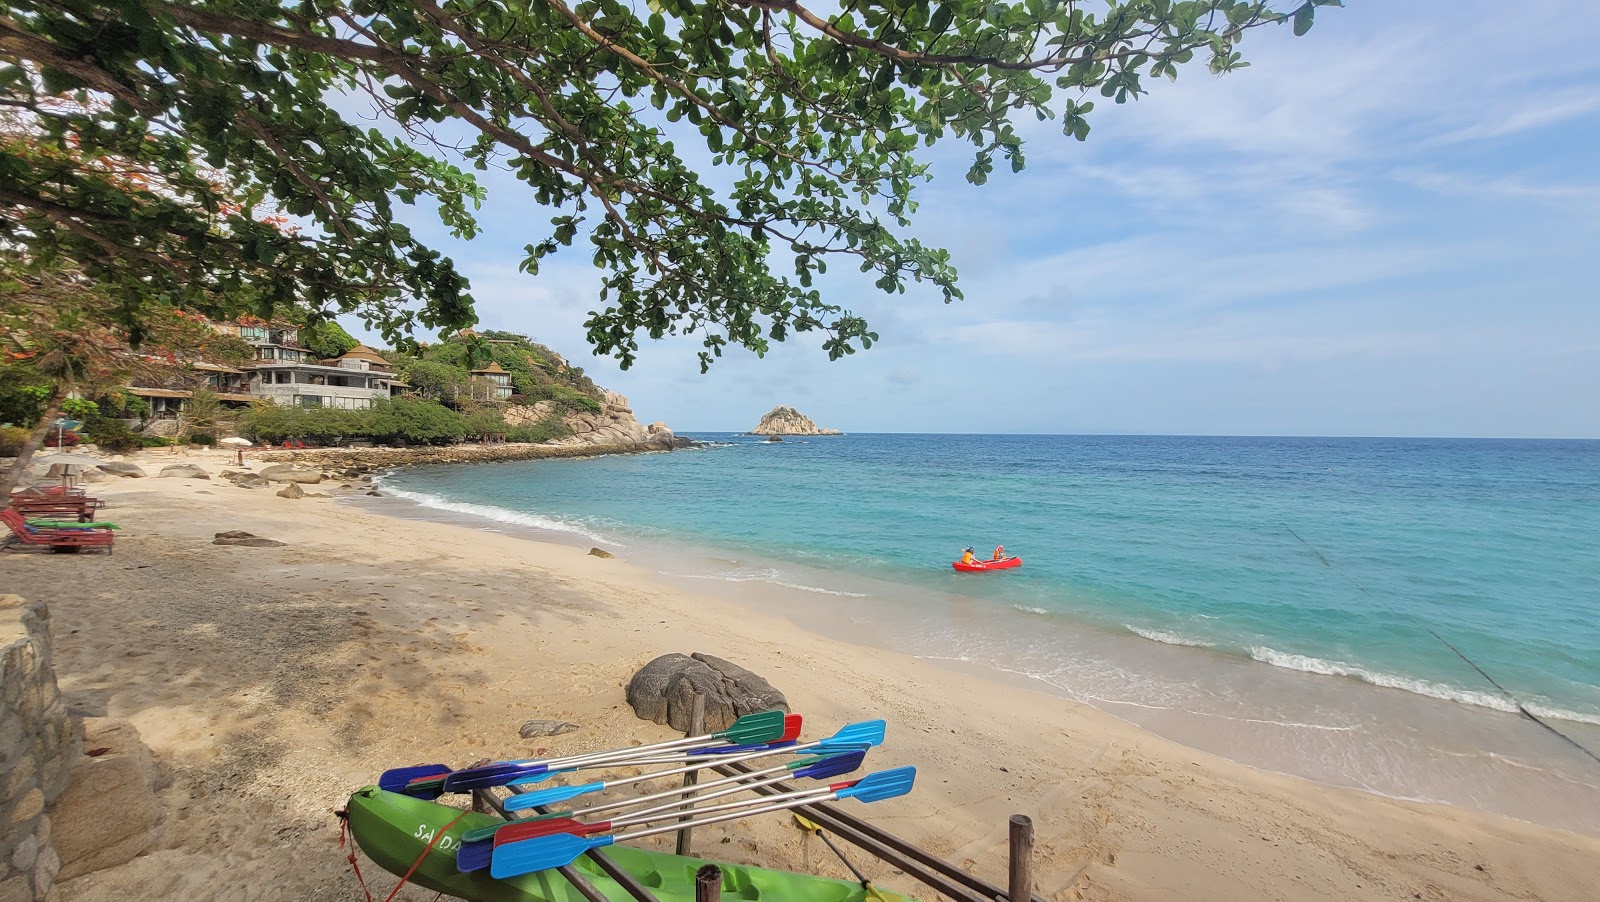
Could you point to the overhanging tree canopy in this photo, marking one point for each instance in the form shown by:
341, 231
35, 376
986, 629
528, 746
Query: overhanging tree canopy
600, 107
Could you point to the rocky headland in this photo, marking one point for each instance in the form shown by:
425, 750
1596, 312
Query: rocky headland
783, 420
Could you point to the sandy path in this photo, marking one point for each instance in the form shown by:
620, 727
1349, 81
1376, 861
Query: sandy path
272, 681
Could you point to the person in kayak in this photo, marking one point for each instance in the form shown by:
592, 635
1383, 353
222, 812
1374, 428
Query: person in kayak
966, 555
999, 553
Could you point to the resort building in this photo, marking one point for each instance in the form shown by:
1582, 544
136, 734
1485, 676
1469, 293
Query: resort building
496, 382
352, 381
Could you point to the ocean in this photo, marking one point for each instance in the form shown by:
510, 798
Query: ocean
1315, 606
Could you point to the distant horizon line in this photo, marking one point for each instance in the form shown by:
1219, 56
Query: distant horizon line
1469, 438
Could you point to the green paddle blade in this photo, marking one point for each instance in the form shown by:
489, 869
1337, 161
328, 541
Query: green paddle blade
766, 726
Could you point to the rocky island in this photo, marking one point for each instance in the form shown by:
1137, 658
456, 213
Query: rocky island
783, 420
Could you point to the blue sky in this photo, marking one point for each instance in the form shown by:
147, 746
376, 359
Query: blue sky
1388, 227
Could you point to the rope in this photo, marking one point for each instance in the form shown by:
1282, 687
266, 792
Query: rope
436, 837
1521, 709
344, 830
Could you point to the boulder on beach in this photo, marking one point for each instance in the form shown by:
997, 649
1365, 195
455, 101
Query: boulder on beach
536, 728
600, 552
292, 490
664, 689
286, 473
122, 468
184, 471
240, 537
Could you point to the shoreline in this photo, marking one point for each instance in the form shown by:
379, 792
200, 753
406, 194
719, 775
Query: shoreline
1334, 729
358, 461
272, 681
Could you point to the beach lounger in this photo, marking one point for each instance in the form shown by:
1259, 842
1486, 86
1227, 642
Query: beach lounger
55, 539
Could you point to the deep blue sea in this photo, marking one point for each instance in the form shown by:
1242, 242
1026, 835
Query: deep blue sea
1171, 580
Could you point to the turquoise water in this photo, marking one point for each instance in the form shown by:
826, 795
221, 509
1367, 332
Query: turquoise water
1161, 573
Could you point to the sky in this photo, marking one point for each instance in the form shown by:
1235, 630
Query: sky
1390, 226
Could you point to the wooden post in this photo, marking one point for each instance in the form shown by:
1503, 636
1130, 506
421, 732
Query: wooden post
708, 884
697, 727
1021, 858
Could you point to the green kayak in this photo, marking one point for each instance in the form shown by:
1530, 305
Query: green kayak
393, 829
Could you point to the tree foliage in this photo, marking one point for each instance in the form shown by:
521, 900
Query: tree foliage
399, 419
327, 339
603, 109
60, 334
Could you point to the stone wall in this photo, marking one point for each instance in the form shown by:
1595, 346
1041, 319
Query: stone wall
38, 743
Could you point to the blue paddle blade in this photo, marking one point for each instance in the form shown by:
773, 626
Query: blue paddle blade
530, 779
885, 784
541, 853
474, 856
498, 774
736, 749
847, 763
855, 736
395, 780
553, 794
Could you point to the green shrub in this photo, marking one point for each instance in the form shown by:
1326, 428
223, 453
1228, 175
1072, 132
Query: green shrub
12, 438
204, 439
114, 436
545, 430
155, 441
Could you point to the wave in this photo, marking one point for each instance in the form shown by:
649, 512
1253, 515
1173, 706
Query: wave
499, 514
766, 576
1030, 610
1307, 664
1165, 637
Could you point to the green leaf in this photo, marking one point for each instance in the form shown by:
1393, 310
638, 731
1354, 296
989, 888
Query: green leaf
1303, 17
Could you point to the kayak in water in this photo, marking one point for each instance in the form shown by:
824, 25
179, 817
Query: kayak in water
980, 566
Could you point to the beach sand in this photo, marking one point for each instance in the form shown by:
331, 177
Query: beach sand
271, 682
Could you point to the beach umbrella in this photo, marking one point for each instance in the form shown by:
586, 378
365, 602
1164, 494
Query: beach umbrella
235, 440
69, 460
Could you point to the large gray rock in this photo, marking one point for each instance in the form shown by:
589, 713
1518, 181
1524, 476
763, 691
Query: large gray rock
184, 471
664, 690
123, 468
286, 473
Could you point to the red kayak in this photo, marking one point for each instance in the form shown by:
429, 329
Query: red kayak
1005, 563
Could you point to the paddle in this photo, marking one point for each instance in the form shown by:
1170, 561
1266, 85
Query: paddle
819, 768
476, 845
397, 779
766, 726
540, 853
849, 738
791, 731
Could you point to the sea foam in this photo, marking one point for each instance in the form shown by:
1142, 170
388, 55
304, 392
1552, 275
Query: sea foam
1308, 664
499, 514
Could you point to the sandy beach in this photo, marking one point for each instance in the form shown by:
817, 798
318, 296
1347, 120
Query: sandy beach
271, 682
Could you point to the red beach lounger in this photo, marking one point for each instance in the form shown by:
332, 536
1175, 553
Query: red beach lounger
69, 540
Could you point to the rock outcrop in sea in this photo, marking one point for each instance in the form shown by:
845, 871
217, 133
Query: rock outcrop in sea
783, 420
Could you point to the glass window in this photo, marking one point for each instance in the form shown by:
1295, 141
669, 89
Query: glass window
308, 400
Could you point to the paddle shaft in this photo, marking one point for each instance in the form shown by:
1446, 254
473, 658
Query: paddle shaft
685, 803
714, 760
753, 806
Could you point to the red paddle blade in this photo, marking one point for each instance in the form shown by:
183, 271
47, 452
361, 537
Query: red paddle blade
791, 728
521, 830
